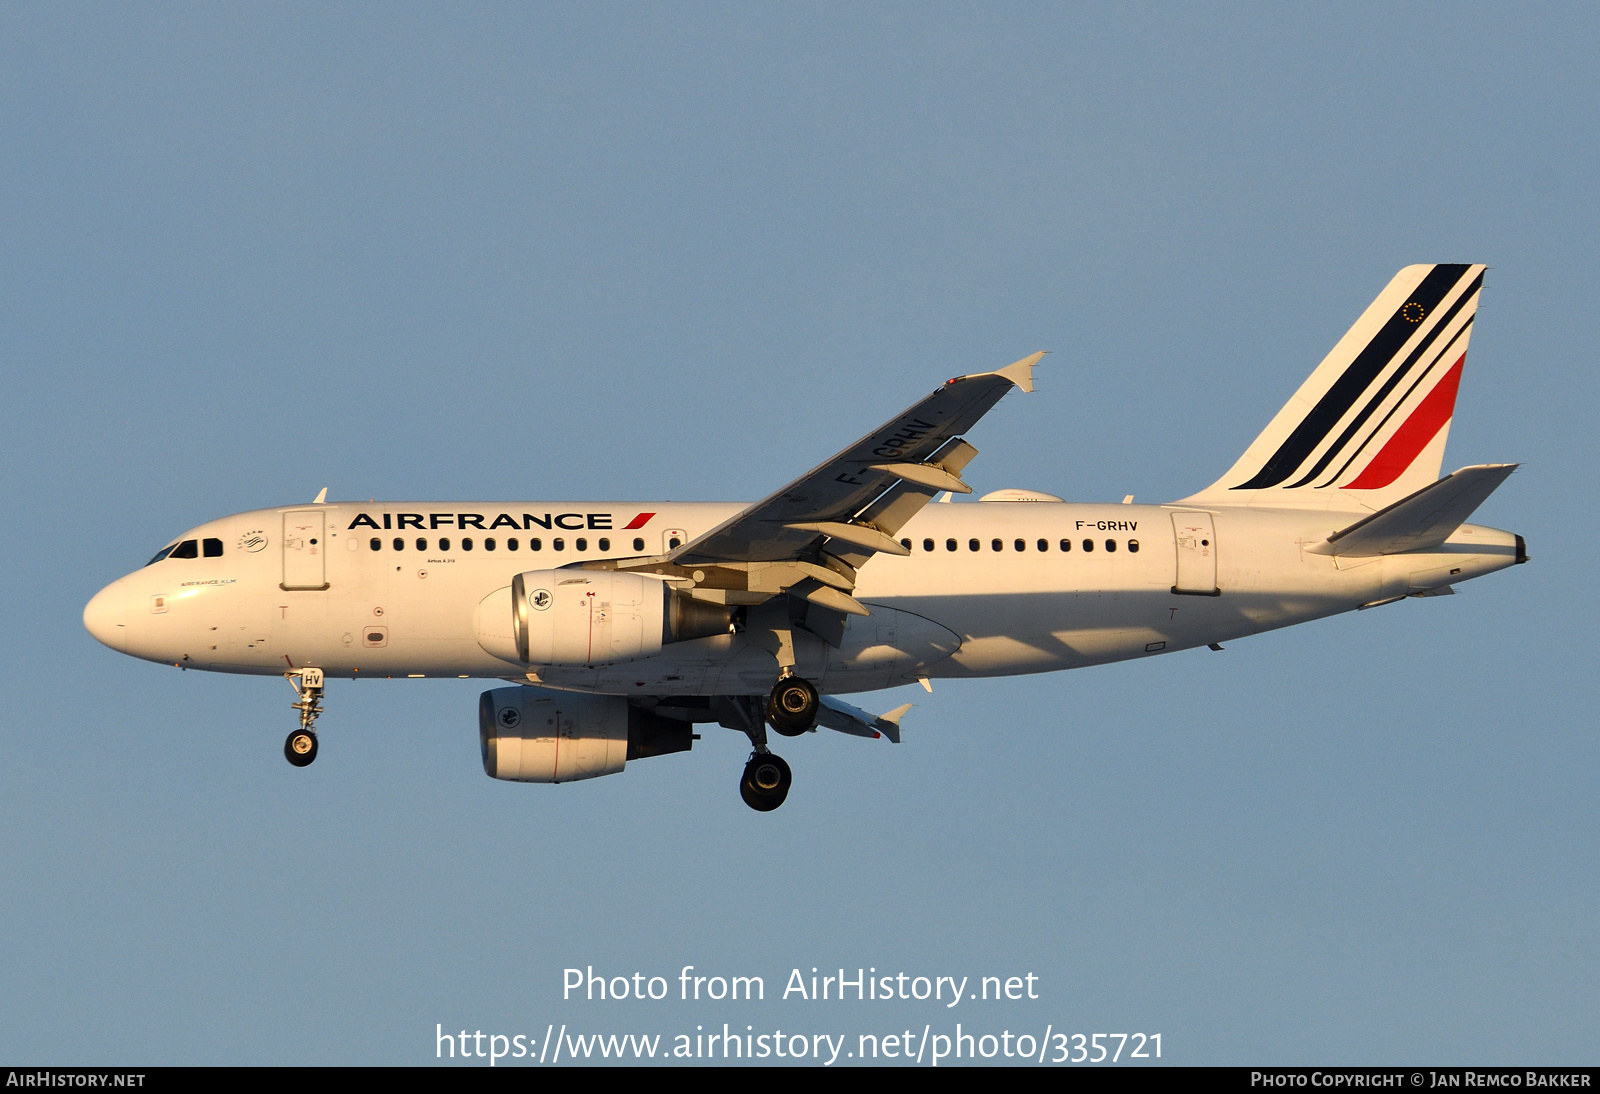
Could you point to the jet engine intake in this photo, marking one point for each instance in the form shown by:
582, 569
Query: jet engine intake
535, 735
591, 617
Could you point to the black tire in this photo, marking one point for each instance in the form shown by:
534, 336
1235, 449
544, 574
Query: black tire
300, 748
766, 782
792, 707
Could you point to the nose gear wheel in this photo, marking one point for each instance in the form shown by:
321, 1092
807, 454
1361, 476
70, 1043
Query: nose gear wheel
301, 748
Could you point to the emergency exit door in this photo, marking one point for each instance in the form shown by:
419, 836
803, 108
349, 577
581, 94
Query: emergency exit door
1197, 554
305, 549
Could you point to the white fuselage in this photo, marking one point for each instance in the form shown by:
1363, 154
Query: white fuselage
376, 595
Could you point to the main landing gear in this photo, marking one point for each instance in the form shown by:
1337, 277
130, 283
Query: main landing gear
766, 782
301, 747
791, 710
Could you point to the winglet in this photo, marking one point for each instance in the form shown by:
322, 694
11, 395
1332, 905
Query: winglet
889, 724
1021, 372
322, 496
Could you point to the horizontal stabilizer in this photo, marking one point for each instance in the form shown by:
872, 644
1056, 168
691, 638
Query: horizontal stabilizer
839, 715
1422, 521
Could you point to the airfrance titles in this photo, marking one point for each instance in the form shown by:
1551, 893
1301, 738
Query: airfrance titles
484, 522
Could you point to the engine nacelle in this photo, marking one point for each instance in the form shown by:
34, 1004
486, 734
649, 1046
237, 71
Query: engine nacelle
590, 617
535, 735
586, 617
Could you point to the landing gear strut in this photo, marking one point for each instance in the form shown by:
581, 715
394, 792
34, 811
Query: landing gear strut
766, 779
301, 747
792, 709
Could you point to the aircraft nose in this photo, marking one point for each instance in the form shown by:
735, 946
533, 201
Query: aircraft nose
105, 616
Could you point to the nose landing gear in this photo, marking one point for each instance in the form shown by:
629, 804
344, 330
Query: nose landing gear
301, 747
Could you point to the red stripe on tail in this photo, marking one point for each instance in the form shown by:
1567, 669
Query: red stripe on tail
1413, 436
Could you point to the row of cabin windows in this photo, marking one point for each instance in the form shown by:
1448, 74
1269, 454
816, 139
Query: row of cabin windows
1020, 545
189, 548
512, 544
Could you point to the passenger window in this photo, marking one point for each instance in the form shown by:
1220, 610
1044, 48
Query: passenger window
375, 543
422, 544
673, 544
949, 545
973, 545
1066, 545
1044, 545
927, 545
399, 544
582, 544
1088, 545
638, 544
466, 543
189, 548
998, 544
213, 547
1111, 545
605, 544
488, 544
444, 543
1021, 545
511, 544
906, 543
161, 554
557, 544
1133, 546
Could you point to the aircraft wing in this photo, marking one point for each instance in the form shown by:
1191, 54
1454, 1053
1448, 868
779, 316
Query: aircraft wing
859, 498
837, 714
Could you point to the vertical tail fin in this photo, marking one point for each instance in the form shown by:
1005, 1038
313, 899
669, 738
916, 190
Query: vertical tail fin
1369, 425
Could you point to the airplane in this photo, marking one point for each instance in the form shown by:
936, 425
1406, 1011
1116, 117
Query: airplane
620, 626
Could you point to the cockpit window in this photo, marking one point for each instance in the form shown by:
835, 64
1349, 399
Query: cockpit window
161, 554
213, 548
189, 548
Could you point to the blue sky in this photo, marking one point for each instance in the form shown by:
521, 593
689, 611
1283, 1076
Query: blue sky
685, 252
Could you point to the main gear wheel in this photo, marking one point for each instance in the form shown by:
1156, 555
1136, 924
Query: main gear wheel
792, 709
766, 782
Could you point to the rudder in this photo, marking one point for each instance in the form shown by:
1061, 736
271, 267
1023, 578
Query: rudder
1369, 425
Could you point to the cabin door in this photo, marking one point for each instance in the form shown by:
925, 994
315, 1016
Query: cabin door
1197, 554
305, 549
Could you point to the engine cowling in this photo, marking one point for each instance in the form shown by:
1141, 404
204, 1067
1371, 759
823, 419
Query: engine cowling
586, 617
537, 735
590, 617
